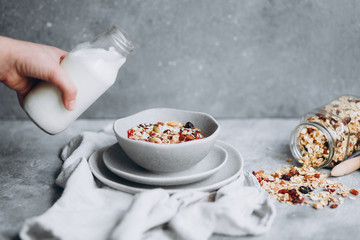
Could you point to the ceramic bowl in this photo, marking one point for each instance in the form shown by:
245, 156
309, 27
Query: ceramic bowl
167, 157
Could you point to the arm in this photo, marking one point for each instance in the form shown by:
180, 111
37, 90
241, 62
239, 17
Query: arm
22, 64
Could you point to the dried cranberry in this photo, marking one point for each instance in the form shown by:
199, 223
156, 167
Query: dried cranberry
305, 189
257, 177
354, 192
334, 206
189, 125
130, 133
189, 138
310, 130
283, 191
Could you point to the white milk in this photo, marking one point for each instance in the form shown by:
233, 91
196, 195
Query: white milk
93, 71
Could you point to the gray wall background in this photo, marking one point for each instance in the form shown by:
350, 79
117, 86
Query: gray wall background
249, 58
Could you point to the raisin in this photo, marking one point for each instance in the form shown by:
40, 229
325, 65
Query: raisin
334, 206
189, 125
354, 192
317, 175
310, 130
286, 177
292, 192
326, 144
347, 120
305, 189
295, 198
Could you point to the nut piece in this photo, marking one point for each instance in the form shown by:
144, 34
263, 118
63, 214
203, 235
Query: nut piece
155, 140
174, 124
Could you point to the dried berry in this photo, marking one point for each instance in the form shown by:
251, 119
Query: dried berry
354, 192
294, 196
347, 120
189, 125
305, 189
286, 177
334, 206
317, 175
257, 177
283, 191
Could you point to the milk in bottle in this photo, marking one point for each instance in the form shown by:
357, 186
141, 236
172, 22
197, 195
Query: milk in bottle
93, 67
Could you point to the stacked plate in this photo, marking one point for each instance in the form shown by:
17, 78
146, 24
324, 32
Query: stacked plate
113, 167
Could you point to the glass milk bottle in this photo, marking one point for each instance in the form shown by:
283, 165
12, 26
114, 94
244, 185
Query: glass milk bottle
93, 67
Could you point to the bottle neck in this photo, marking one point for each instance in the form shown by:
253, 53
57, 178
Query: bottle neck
120, 40
113, 38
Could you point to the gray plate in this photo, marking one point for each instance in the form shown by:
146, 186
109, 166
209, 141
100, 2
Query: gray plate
119, 163
232, 169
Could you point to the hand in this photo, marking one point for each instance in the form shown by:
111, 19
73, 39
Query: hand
23, 64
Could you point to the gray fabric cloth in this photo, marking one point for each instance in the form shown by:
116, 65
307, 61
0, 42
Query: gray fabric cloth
89, 210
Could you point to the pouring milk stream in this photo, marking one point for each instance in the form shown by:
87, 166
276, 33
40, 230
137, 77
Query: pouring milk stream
93, 67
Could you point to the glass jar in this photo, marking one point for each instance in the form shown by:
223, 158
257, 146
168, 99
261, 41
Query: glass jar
328, 135
93, 67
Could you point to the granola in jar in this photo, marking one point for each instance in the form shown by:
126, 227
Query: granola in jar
165, 132
329, 135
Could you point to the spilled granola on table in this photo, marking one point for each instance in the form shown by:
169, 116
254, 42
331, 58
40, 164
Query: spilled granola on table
342, 118
297, 185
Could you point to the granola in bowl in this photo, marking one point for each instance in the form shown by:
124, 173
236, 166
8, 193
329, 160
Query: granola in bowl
165, 132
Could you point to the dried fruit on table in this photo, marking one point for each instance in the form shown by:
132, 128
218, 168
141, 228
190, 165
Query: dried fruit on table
296, 185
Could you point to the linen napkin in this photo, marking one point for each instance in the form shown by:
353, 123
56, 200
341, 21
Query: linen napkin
89, 210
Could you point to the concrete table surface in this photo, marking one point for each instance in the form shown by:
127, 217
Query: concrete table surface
29, 164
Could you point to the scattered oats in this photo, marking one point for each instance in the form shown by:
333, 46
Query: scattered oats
296, 185
289, 160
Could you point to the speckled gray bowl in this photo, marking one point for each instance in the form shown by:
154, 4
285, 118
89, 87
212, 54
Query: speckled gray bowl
167, 157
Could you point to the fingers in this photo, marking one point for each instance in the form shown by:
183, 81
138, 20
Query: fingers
61, 79
24, 89
67, 87
22, 85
